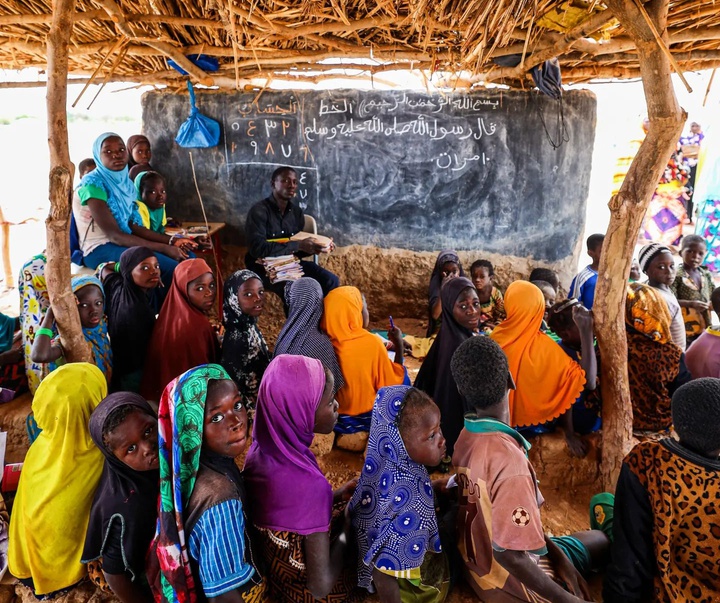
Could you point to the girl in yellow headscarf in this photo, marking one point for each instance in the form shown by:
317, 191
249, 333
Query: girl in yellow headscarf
363, 359
547, 381
58, 481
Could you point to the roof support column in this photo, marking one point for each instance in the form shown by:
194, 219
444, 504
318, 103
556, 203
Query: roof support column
627, 210
57, 223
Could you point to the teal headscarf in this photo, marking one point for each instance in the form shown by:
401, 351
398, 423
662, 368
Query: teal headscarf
118, 186
97, 336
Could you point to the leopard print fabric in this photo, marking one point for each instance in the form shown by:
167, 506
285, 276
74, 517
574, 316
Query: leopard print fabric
652, 367
685, 501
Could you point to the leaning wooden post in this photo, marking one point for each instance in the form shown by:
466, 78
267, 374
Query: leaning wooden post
627, 209
57, 271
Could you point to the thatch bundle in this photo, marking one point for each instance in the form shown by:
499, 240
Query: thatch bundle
307, 40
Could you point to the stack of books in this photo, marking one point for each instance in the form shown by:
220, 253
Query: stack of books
326, 242
282, 268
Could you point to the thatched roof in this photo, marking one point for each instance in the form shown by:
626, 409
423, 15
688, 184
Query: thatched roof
131, 40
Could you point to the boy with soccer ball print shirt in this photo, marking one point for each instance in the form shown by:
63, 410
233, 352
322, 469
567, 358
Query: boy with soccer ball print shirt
508, 557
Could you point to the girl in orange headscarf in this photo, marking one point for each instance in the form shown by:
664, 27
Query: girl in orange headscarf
363, 359
547, 381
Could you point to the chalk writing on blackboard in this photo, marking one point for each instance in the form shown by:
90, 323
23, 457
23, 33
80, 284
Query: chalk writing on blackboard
397, 168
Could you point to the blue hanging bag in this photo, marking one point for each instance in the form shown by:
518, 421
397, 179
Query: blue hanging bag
198, 131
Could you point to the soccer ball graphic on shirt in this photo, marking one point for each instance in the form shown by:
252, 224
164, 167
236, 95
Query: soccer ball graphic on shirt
520, 517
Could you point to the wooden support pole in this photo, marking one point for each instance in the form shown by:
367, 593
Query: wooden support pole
627, 209
57, 271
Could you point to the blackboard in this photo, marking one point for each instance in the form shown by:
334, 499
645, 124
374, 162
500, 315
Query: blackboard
419, 171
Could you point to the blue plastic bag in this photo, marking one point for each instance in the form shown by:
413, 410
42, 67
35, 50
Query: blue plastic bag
198, 131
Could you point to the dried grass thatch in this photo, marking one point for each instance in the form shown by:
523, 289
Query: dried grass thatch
131, 40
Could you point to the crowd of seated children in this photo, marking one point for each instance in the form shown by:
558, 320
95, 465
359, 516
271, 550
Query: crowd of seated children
506, 553
301, 335
245, 354
460, 317
183, 336
447, 266
583, 285
402, 561
692, 287
202, 544
362, 357
665, 525
60, 475
548, 381
106, 215
656, 365
122, 522
305, 533
492, 308
703, 356
132, 302
657, 262
47, 348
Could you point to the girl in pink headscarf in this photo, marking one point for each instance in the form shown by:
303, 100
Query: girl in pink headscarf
290, 500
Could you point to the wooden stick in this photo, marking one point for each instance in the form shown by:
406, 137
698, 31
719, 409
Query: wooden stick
97, 70
662, 45
707, 92
197, 189
108, 75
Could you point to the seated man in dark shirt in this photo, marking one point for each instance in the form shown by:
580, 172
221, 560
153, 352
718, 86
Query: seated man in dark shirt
270, 224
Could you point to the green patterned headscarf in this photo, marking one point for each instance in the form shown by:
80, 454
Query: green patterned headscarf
180, 432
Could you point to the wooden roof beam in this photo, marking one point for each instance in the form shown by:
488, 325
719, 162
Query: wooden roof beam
165, 48
102, 15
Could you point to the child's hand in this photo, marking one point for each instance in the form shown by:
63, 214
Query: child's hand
699, 305
345, 492
575, 583
583, 318
396, 338
446, 276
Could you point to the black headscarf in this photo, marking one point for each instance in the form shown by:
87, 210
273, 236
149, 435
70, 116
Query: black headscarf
123, 494
447, 255
131, 314
245, 355
434, 376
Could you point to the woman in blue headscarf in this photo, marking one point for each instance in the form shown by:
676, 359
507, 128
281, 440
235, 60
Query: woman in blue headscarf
107, 218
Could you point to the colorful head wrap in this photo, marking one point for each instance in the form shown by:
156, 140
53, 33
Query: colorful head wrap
117, 184
393, 507
647, 312
96, 336
284, 482
181, 417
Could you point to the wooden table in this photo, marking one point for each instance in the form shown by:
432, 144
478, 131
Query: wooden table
213, 233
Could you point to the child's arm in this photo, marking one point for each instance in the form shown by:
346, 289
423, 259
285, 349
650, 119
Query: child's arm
387, 587
584, 321
629, 577
396, 337
325, 560
519, 564
700, 306
43, 349
128, 591
344, 493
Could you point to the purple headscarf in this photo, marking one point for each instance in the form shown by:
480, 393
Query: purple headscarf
287, 489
